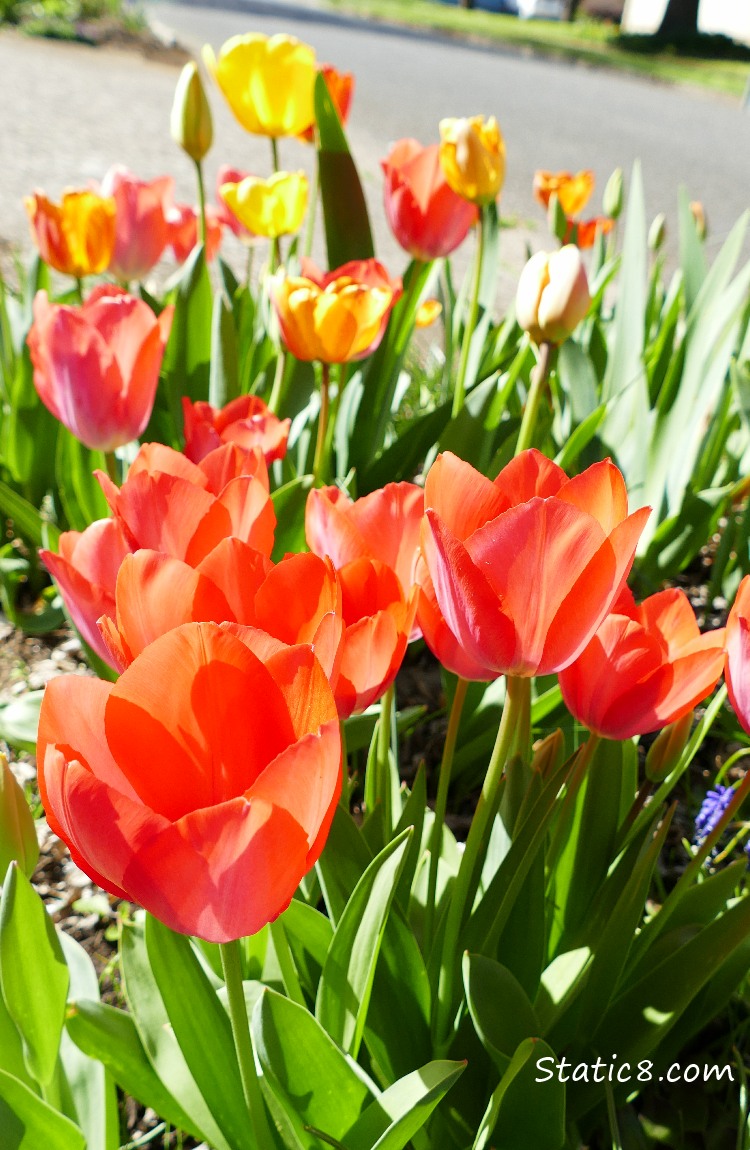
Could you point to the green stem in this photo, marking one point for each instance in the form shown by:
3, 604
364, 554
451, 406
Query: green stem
312, 209
344, 796
231, 965
441, 803
110, 463
249, 267
275, 154
275, 255
286, 963
278, 381
79, 288
384, 747
201, 202
585, 754
320, 445
467, 880
460, 391
531, 411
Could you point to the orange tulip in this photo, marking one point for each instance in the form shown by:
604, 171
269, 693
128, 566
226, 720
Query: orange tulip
573, 191
246, 421
96, 367
76, 236
340, 87
295, 602
379, 619
214, 842
526, 568
338, 317
85, 569
141, 227
186, 512
384, 525
737, 669
583, 233
645, 667
426, 216
167, 504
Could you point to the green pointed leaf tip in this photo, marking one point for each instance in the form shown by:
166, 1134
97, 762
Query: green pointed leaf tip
17, 830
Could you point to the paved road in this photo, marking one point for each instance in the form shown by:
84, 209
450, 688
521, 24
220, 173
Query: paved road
75, 110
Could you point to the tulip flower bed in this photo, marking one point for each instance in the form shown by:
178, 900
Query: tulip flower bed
255, 507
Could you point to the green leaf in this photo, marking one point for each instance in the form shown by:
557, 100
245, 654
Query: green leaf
523, 1111
158, 1038
28, 1123
289, 503
346, 984
110, 1036
28, 522
33, 974
185, 369
397, 1032
347, 225
202, 1029
502, 1014
80, 494
92, 1090
224, 378
344, 860
313, 1082
19, 720
396, 1116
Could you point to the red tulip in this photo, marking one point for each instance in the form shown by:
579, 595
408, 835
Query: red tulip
141, 228
85, 570
438, 636
246, 421
96, 367
426, 216
215, 841
526, 568
645, 667
737, 671
184, 230
378, 620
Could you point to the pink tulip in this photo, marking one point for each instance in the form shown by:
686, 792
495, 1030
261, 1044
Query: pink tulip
141, 227
96, 367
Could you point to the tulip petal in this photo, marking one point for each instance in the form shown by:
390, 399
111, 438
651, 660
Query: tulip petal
441, 640
528, 475
599, 491
468, 603
462, 497
177, 706
239, 571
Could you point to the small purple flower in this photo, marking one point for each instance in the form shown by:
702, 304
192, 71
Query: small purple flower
713, 807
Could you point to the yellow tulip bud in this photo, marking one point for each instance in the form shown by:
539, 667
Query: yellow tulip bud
17, 831
657, 232
271, 208
553, 295
268, 82
472, 156
191, 124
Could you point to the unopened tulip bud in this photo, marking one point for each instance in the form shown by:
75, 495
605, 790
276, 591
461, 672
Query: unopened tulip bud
549, 754
553, 295
17, 832
556, 218
191, 124
699, 215
666, 749
612, 199
657, 232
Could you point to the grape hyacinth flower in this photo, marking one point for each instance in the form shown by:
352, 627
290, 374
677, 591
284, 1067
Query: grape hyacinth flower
715, 803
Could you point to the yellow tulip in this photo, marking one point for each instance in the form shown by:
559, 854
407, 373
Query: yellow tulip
472, 156
268, 82
337, 318
553, 295
273, 207
76, 236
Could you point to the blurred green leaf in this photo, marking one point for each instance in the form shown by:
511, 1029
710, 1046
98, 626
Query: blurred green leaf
28, 1123
347, 225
